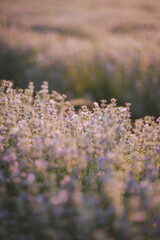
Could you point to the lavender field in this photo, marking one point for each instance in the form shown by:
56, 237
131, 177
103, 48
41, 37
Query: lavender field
92, 49
76, 176
79, 120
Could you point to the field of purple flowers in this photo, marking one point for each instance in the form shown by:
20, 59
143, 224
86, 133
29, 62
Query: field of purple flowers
92, 49
76, 176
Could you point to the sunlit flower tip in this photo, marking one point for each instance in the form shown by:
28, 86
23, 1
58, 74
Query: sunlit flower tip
156, 200
65, 180
61, 198
123, 110
101, 173
154, 225
1, 139
31, 178
15, 130
96, 105
158, 120
23, 174
52, 101
110, 155
40, 164
138, 217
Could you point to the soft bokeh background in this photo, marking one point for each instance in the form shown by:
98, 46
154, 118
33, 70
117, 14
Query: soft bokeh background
93, 49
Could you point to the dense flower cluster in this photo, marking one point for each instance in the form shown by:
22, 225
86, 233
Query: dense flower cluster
76, 176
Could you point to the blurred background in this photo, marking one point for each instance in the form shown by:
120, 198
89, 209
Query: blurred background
91, 49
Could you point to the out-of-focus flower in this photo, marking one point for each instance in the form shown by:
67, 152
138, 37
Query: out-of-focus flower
62, 197
31, 178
